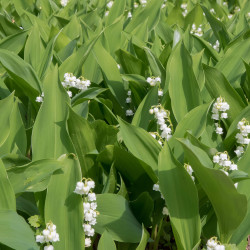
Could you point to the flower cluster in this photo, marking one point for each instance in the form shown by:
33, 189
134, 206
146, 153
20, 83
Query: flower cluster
216, 46
143, 3
224, 161
219, 111
40, 98
136, 5
164, 4
189, 170
162, 116
64, 2
212, 11
48, 235
160, 92
129, 14
84, 188
156, 188
129, 111
110, 4
184, 8
70, 81
214, 244
244, 127
196, 30
153, 80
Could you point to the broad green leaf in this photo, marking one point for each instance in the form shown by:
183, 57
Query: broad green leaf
117, 10
47, 57
183, 87
131, 64
143, 208
7, 27
34, 49
7, 198
72, 63
6, 106
88, 94
63, 207
13, 226
13, 132
13, 160
150, 12
17, 137
33, 177
218, 27
116, 217
231, 65
142, 116
104, 134
26, 203
111, 73
141, 144
243, 187
82, 137
106, 242
156, 66
217, 85
14, 42
110, 185
126, 164
49, 136
144, 239
219, 189
181, 198
230, 139
21, 72
194, 121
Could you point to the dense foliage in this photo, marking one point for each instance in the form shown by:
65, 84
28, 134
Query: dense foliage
124, 124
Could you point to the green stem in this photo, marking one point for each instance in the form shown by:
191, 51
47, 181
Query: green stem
158, 235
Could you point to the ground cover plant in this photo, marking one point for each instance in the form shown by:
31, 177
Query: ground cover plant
124, 124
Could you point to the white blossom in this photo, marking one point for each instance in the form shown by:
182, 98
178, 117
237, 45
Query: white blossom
110, 4
196, 30
224, 161
39, 99
128, 100
69, 93
48, 235
82, 188
239, 151
49, 247
214, 244
156, 187
216, 46
89, 207
129, 112
87, 242
160, 92
165, 211
219, 130
153, 80
64, 2
242, 137
91, 196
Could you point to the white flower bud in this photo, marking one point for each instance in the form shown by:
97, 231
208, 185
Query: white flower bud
87, 242
91, 184
49, 247
156, 187
224, 115
216, 159
91, 196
